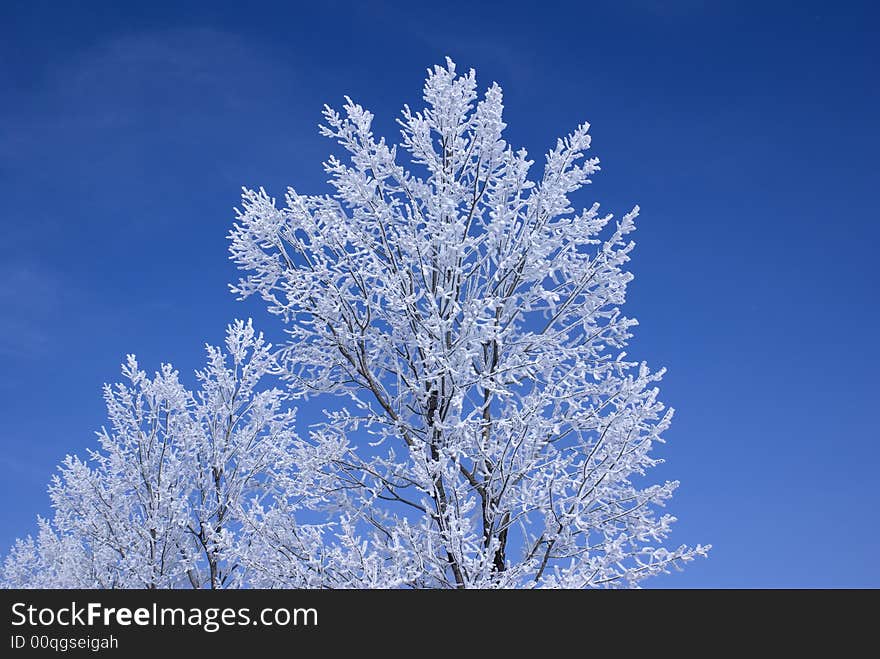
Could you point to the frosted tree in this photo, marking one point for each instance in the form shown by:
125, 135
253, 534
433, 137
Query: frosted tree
460, 321
53, 561
471, 318
165, 502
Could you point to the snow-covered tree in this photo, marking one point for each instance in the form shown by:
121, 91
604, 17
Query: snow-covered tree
166, 500
471, 317
460, 322
54, 561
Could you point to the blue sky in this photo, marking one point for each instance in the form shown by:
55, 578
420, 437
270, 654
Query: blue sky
747, 132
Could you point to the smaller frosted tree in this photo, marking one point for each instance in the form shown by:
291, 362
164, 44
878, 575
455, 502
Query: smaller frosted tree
53, 561
165, 501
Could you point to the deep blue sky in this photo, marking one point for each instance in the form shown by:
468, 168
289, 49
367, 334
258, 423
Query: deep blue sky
747, 132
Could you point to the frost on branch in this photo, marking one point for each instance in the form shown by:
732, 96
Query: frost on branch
495, 433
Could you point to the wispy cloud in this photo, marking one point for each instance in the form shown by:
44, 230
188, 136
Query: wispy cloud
136, 80
124, 106
31, 299
25, 469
